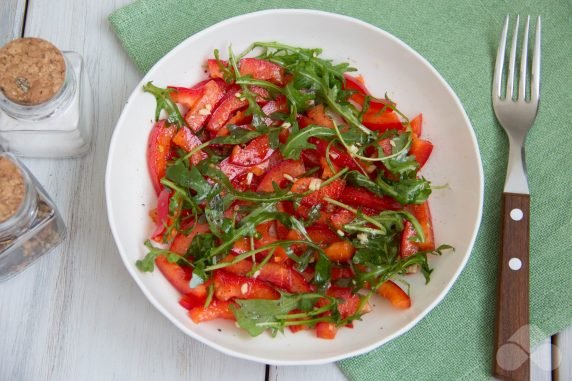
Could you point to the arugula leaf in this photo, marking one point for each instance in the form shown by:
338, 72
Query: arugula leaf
189, 178
217, 203
164, 102
201, 246
238, 135
298, 141
147, 264
222, 180
406, 191
323, 270
258, 315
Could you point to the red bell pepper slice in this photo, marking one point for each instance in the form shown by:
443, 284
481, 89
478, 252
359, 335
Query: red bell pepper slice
318, 116
191, 301
178, 276
357, 85
385, 145
379, 115
217, 309
267, 231
261, 69
325, 330
350, 302
197, 115
408, 247
311, 157
254, 153
341, 218
423, 215
185, 96
396, 296
382, 120
360, 92
239, 268
338, 156
232, 171
293, 168
417, 125
359, 197
341, 251
277, 105
162, 216
421, 149
257, 68
158, 152
228, 285
214, 68
188, 141
332, 190
278, 274
319, 234
284, 277
230, 103
341, 273
298, 327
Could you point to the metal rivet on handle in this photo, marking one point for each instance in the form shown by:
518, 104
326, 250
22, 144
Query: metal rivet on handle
516, 214
515, 264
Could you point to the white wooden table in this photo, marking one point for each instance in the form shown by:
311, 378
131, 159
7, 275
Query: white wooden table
76, 314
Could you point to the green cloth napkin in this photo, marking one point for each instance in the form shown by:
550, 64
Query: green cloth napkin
460, 39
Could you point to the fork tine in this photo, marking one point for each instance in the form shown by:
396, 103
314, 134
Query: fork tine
523, 63
497, 81
512, 62
535, 82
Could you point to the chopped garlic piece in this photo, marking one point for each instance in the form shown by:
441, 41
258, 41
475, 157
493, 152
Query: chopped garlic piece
340, 232
288, 177
353, 149
249, 177
206, 110
238, 94
362, 237
392, 143
286, 125
315, 184
244, 289
256, 274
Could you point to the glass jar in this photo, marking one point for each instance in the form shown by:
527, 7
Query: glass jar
54, 119
32, 227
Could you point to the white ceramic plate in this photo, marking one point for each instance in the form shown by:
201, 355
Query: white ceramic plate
388, 65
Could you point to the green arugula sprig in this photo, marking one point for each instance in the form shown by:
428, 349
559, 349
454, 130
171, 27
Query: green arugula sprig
257, 315
147, 264
164, 102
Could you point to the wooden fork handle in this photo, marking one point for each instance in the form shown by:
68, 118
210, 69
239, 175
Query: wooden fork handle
512, 343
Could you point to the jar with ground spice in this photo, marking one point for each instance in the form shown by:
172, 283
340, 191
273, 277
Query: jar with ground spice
30, 224
45, 100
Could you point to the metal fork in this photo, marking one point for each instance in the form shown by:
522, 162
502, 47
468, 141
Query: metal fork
516, 113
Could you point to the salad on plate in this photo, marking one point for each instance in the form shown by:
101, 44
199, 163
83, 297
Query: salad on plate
287, 194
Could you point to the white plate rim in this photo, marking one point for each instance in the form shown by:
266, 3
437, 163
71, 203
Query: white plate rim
132, 269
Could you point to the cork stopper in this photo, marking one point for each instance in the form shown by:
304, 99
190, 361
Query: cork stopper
32, 71
12, 189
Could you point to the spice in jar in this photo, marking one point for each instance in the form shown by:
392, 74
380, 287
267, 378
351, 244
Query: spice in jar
30, 225
12, 189
45, 100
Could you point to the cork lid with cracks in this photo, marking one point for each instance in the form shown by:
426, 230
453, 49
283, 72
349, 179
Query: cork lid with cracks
32, 71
